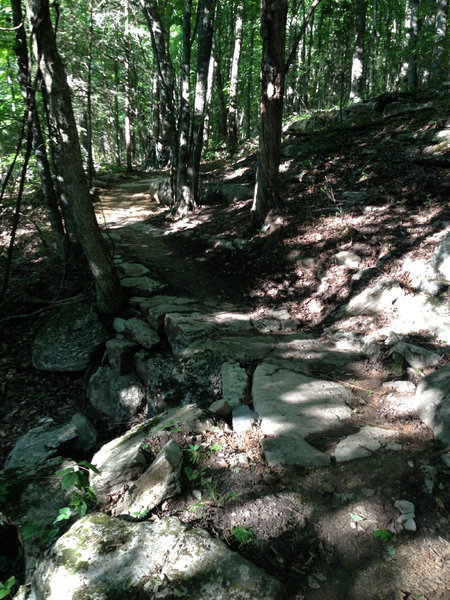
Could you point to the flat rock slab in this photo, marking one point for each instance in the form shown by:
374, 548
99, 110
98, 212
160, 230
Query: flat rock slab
68, 339
142, 286
239, 348
132, 269
297, 352
156, 308
292, 406
103, 557
362, 444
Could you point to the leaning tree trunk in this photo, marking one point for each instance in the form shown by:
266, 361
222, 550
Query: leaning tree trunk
273, 32
74, 188
39, 149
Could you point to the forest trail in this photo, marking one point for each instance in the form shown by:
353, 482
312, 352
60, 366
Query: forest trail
123, 212
327, 515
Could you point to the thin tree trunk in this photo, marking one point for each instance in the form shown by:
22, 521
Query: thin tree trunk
249, 121
128, 113
440, 53
205, 39
411, 75
90, 158
273, 32
184, 123
221, 103
232, 125
117, 139
74, 188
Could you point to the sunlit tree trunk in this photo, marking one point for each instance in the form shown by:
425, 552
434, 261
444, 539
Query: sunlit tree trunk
273, 32
90, 157
357, 82
128, 109
73, 183
232, 124
220, 96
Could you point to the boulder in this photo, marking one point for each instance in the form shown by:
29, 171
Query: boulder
243, 418
69, 339
183, 330
432, 403
375, 299
440, 260
417, 357
49, 440
160, 481
104, 557
163, 381
123, 459
119, 397
348, 259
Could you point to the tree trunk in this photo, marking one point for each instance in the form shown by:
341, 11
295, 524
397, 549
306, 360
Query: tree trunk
232, 125
117, 133
39, 149
221, 103
413, 29
273, 32
74, 188
440, 53
357, 82
90, 158
128, 115
205, 39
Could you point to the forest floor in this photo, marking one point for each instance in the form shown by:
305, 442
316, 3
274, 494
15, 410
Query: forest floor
311, 528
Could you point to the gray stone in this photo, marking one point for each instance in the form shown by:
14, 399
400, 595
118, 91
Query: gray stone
410, 524
183, 330
285, 450
69, 339
243, 418
101, 557
238, 347
163, 379
446, 459
348, 259
120, 354
159, 482
405, 507
429, 473
156, 308
123, 459
440, 260
138, 330
362, 444
48, 440
132, 270
361, 108
221, 408
401, 387
119, 397
422, 276
417, 357
432, 403
376, 299
234, 383
142, 286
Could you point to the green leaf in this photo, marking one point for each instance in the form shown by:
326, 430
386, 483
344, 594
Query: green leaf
29, 531
391, 551
354, 517
64, 514
216, 447
90, 466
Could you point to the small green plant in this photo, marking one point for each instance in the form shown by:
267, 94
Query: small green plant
193, 474
212, 488
244, 535
7, 587
233, 496
77, 477
383, 534
142, 514
195, 453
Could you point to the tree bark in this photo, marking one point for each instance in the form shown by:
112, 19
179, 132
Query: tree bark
232, 124
128, 113
440, 52
273, 32
39, 148
413, 30
73, 184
